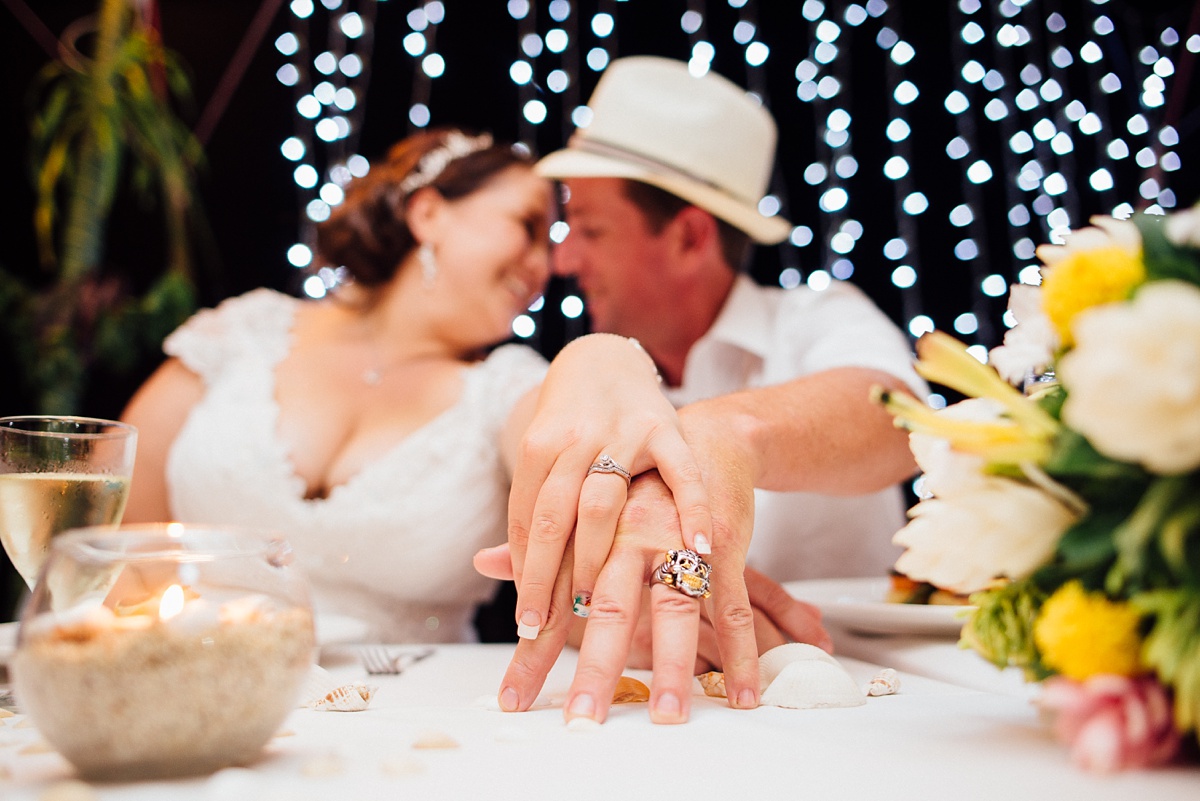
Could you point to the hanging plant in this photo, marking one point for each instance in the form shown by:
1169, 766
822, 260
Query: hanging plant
103, 120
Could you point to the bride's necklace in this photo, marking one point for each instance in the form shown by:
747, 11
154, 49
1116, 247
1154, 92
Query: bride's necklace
373, 375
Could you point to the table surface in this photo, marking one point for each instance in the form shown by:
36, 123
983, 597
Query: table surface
957, 728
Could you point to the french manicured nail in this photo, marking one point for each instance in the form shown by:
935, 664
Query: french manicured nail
667, 709
582, 706
702, 544
581, 606
529, 625
746, 699
509, 700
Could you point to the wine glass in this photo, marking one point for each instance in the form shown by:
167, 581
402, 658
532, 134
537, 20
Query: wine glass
59, 473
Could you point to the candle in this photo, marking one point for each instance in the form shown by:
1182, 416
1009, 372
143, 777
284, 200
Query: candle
186, 678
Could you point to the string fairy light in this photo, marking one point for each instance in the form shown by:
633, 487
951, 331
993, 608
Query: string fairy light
1053, 110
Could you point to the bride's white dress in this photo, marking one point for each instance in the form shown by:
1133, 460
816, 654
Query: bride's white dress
391, 547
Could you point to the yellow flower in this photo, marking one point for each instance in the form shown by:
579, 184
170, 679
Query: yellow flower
1096, 266
1081, 634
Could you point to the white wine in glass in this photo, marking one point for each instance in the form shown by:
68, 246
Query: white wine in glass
59, 473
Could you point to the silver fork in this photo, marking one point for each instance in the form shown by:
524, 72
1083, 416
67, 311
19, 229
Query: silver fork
377, 661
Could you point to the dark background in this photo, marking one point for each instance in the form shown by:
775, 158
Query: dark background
254, 210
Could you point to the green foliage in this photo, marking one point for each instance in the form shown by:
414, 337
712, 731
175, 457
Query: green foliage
1172, 648
101, 120
1164, 260
1001, 629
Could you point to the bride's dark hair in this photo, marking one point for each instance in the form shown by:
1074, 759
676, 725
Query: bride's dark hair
368, 234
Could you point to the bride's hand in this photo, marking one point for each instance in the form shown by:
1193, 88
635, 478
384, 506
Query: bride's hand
600, 406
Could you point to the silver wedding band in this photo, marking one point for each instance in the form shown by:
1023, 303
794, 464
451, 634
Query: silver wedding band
605, 464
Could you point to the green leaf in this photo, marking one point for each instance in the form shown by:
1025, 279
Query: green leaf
1163, 259
1172, 647
1001, 628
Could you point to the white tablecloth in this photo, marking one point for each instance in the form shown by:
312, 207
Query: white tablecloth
935, 739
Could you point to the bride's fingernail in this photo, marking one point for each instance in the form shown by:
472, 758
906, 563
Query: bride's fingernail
667, 709
509, 700
529, 625
581, 606
702, 544
582, 706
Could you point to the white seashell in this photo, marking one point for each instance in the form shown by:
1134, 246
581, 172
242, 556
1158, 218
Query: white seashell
813, 684
402, 766
347, 698
322, 691
802, 676
323, 766
772, 663
886, 682
713, 683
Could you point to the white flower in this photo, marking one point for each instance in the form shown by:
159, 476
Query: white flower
1134, 378
998, 527
1183, 228
1103, 232
1029, 345
947, 471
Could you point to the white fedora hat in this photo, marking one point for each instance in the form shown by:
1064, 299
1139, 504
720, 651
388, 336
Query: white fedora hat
703, 139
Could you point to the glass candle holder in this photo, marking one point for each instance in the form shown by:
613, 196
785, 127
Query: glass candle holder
163, 650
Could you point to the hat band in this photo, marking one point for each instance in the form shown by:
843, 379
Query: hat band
599, 148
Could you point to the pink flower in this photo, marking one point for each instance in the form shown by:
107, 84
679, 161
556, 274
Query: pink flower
1112, 722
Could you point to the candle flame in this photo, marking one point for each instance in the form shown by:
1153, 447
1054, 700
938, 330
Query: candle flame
171, 603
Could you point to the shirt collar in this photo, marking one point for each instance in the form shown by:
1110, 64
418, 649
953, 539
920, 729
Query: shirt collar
744, 320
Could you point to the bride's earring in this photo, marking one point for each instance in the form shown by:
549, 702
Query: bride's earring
429, 267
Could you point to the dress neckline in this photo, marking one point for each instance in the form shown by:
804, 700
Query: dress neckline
298, 485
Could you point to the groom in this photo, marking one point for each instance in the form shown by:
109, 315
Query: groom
773, 386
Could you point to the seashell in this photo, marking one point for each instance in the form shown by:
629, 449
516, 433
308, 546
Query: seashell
402, 766
4, 713
23, 723
886, 682
322, 691
772, 663
802, 676
713, 683
39, 747
347, 698
326, 765
434, 740
630, 691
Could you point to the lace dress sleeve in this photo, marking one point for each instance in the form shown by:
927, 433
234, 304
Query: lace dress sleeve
255, 324
506, 375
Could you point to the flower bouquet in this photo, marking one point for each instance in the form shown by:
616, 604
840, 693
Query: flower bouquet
1071, 511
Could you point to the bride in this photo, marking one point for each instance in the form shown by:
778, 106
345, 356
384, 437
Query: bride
376, 429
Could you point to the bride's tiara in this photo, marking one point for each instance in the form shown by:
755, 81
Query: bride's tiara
433, 163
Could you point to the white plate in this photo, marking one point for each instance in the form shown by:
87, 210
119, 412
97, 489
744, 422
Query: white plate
858, 604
